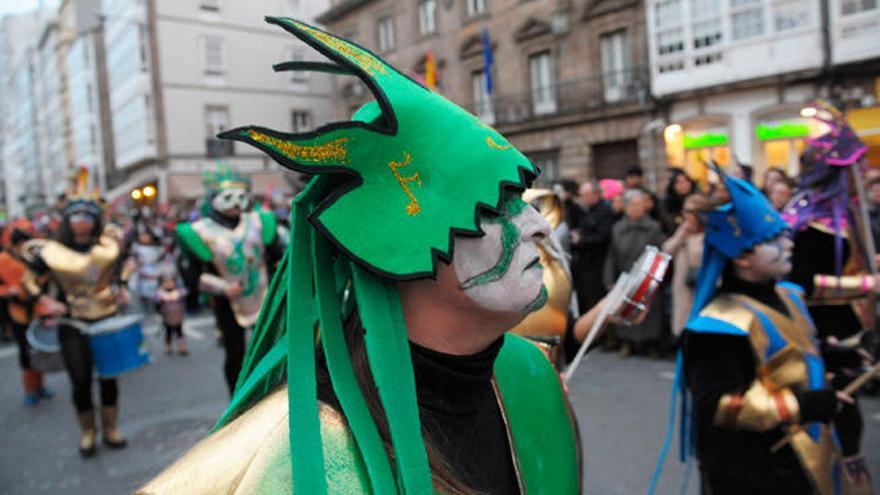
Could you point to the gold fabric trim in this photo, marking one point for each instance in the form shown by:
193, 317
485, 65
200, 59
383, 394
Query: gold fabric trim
330, 152
362, 59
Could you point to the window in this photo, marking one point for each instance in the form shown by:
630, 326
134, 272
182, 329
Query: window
216, 121
427, 9
297, 54
790, 15
475, 7
301, 121
849, 7
209, 5
706, 33
142, 46
747, 18
482, 99
543, 83
668, 14
616, 72
386, 34
213, 59
548, 163
671, 41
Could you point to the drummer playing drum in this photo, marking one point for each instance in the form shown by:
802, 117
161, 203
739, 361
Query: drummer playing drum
82, 268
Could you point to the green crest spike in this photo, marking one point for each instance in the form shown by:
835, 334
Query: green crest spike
416, 168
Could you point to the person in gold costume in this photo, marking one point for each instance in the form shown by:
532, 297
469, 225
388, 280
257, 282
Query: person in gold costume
81, 269
751, 363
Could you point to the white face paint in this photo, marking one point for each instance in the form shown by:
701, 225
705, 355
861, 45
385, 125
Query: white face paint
501, 271
229, 199
771, 260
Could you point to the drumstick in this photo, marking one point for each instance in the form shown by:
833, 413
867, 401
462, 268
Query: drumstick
850, 389
616, 293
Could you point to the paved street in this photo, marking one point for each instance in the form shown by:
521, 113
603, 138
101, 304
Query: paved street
621, 404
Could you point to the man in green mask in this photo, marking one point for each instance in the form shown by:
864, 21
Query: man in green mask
380, 362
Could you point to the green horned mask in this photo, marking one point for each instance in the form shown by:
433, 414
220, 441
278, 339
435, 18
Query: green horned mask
391, 188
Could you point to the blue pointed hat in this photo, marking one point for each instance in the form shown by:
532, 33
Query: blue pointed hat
747, 220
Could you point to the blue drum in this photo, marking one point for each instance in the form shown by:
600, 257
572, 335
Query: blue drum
118, 345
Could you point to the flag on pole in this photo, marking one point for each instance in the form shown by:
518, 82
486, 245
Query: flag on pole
430, 70
487, 61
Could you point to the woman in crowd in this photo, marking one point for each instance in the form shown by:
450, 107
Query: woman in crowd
686, 247
680, 187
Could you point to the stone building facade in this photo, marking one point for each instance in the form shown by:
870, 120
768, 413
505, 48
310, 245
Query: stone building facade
569, 77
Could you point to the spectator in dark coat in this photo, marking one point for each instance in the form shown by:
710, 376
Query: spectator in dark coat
589, 244
629, 237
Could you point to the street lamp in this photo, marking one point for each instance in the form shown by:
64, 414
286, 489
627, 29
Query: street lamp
136, 194
149, 192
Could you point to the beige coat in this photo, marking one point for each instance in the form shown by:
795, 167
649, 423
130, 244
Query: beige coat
687, 252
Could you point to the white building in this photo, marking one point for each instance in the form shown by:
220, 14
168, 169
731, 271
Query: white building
732, 75
19, 148
209, 70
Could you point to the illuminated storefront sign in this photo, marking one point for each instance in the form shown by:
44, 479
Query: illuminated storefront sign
785, 130
705, 140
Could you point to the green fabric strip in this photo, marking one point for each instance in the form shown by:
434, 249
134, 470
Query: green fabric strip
269, 225
192, 243
391, 365
254, 384
270, 326
345, 384
542, 429
306, 453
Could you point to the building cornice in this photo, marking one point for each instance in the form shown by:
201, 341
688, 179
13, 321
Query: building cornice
341, 9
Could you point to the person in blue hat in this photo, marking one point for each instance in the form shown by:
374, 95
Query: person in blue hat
751, 363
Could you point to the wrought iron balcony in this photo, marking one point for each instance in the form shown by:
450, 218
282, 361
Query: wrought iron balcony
565, 98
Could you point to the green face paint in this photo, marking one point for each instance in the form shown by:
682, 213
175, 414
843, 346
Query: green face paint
510, 239
539, 301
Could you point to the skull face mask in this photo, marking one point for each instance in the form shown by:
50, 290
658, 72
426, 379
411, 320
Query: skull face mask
227, 200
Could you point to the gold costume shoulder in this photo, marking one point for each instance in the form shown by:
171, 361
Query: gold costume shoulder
727, 308
251, 455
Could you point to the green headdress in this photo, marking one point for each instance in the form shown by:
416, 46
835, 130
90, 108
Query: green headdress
391, 189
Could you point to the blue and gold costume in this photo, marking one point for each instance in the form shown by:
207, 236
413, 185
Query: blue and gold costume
754, 369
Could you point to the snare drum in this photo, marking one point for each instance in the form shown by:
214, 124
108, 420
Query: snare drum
44, 347
117, 345
645, 278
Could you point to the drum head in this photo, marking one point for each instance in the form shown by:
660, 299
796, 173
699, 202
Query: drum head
43, 338
114, 323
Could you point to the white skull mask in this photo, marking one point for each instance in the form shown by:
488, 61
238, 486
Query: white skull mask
228, 199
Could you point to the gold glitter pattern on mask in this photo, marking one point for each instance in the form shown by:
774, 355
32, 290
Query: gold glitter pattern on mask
363, 59
329, 152
413, 208
493, 144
